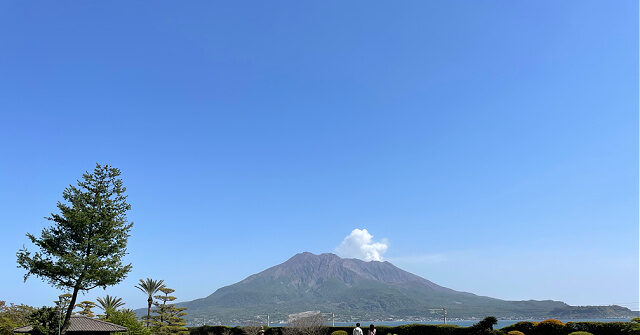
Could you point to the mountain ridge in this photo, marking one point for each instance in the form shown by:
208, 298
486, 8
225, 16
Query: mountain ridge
358, 290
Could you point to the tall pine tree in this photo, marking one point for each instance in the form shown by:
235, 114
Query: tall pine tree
84, 247
168, 318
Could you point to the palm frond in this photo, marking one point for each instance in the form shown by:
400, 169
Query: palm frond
109, 302
150, 286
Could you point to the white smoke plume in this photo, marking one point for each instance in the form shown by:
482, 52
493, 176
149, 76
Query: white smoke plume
359, 244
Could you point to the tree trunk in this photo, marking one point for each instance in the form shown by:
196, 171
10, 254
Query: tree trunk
149, 301
72, 304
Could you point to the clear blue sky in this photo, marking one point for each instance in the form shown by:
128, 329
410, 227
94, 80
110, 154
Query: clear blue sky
491, 145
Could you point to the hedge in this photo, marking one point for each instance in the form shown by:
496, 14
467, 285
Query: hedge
526, 327
558, 328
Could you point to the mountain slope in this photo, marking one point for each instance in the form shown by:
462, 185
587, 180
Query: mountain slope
353, 289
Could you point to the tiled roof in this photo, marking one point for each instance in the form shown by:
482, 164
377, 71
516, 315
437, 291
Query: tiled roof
80, 323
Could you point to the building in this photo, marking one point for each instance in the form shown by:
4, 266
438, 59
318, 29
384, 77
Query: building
82, 325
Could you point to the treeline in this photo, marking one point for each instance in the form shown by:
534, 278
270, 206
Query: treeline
164, 318
547, 327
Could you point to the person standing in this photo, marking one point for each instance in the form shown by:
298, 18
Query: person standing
372, 330
357, 330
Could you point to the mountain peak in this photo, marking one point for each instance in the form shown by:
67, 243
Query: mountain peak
328, 255
352, 287
311, 271
307, 254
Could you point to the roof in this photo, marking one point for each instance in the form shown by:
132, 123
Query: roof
79, 323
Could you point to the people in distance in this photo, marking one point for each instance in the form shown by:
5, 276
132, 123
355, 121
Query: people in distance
357, 330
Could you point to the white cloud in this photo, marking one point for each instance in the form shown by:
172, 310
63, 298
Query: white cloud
359, 244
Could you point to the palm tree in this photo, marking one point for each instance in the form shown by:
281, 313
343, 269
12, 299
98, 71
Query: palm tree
150, 287
109, 303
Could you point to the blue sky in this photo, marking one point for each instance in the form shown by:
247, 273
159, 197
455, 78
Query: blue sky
491, 146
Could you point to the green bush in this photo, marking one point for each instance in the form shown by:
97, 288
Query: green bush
215, 330
128, 318
558, 328
421, 329
487, 323
44, 321
605, 328
13, 316
551, 327
522, 326
547, 327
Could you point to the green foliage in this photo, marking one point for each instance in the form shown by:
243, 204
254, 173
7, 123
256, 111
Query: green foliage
44, 321
128, 318
551, 326
84, 247
415, 329
224, 330
632, 328
485, 326
558, 328
636, 319
109, 304
63, 301
595, 328
252, 330
418, 329
85, 308
169, 319
13, 316
526, 327
605, 328
339, 332
551, 322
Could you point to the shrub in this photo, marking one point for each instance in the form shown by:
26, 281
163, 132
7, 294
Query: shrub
128, 318
252, 330
551, 327
44, 321
486, 323
13, 316
551, 321
547, 327
605, 328
522, 326
215, 330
